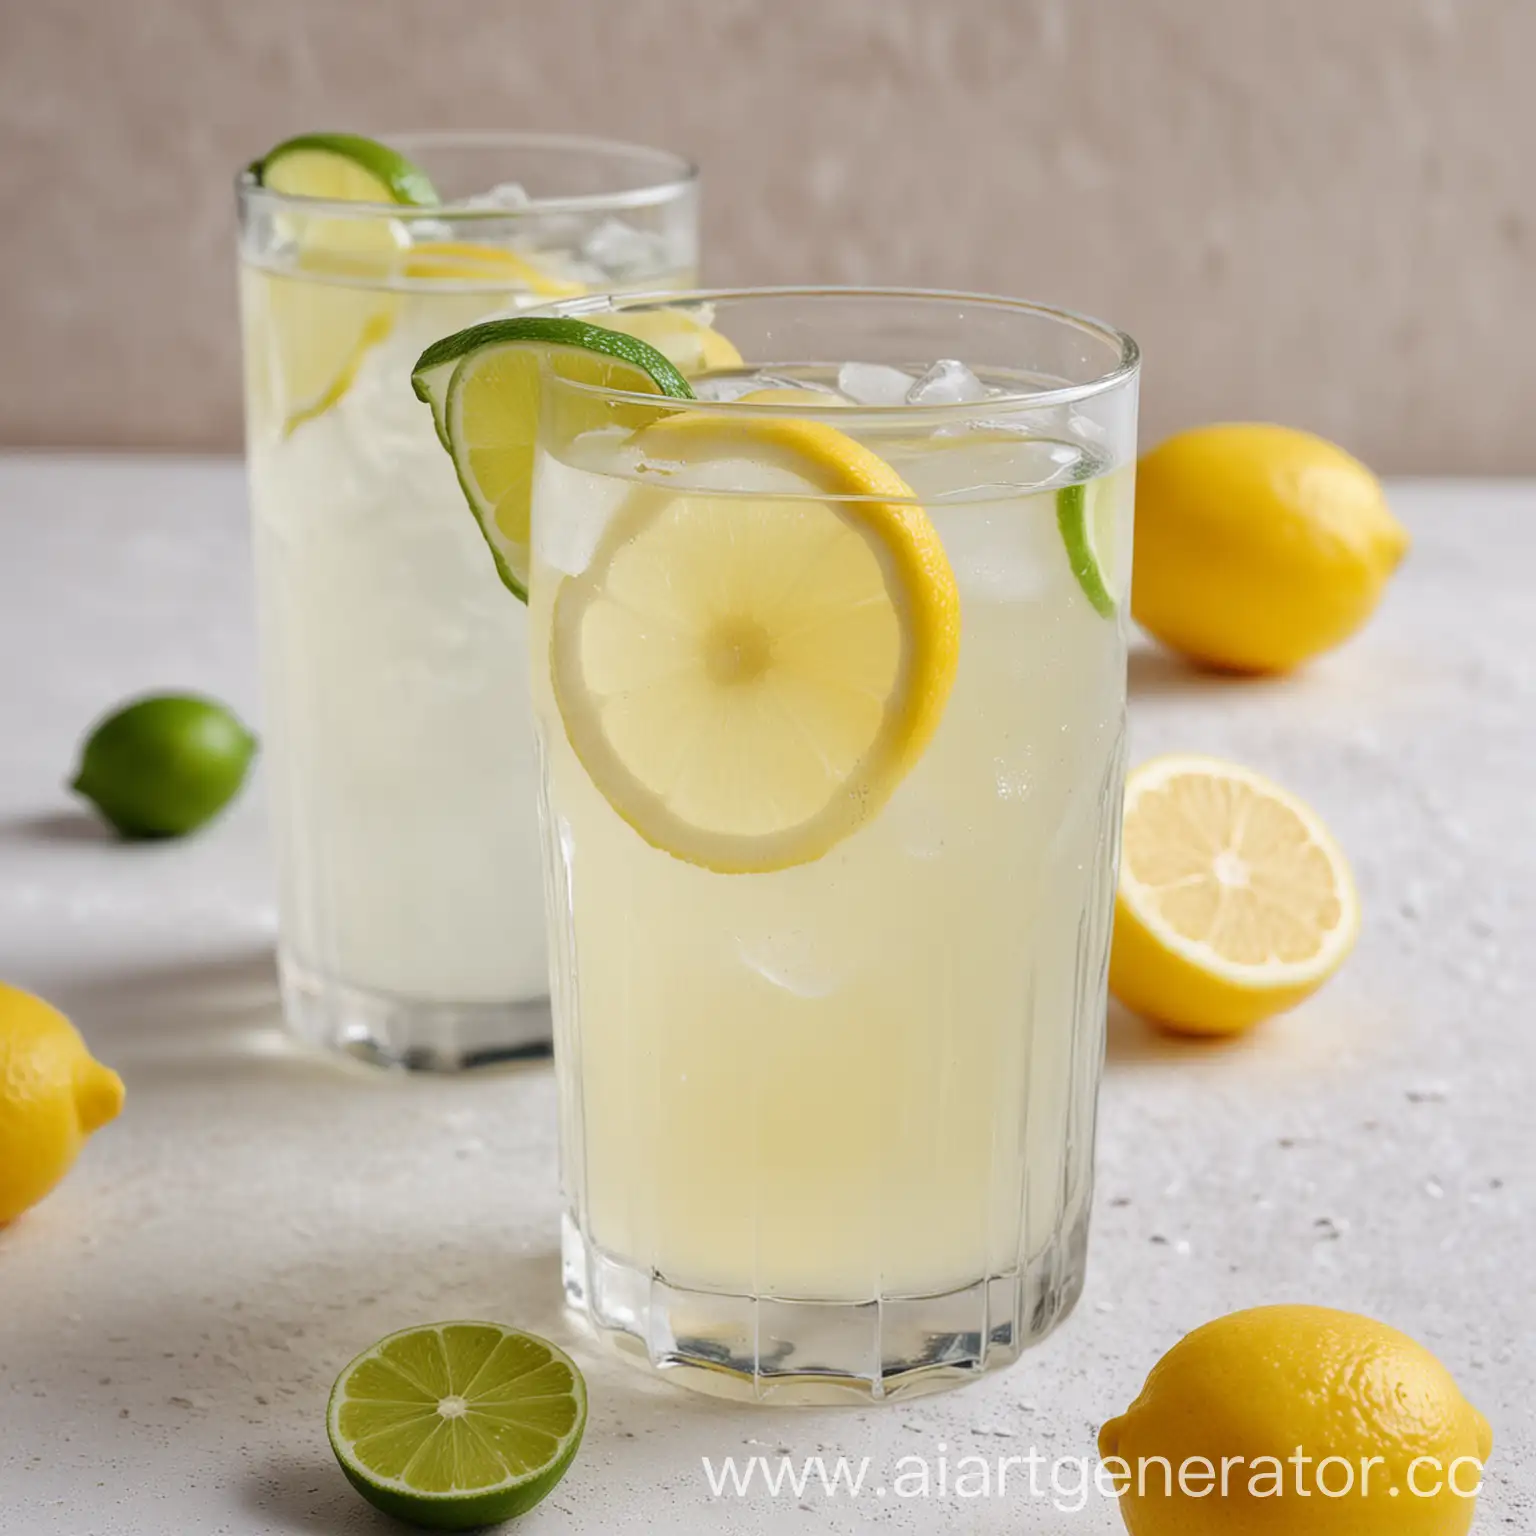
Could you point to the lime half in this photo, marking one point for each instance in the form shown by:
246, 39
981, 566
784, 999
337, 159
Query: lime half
483, 387
457, 1425
1085, 513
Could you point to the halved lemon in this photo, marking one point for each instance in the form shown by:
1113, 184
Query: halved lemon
1235, 902
747, 678
306, 336
483, 387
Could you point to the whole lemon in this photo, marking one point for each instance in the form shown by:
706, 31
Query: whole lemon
1258, 546
52, 1096
1392, 1448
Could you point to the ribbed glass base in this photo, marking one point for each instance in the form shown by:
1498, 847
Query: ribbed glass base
408, 1033
769, 1350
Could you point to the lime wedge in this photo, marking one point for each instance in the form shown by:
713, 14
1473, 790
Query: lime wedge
457, 1425
344, 168
1085, 513
483, 387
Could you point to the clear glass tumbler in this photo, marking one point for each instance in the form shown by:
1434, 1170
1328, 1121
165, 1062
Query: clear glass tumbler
398, 742
829, 675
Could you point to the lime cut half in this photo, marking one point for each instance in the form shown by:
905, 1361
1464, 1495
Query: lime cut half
457, 1425
1085, 513
483, 387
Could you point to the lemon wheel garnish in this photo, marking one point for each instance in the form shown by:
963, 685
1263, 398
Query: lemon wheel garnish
747, 679
1235, 902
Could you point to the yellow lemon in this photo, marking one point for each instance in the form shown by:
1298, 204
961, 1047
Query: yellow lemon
1258, 546
52, 1096
748, 679
1322, 1423
1234, 902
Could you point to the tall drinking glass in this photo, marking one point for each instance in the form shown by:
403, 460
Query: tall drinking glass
398, 742
829, 675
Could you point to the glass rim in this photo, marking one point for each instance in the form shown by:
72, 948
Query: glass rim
590, 306
683, 178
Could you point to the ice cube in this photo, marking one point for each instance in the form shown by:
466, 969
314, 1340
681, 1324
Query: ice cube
798, 962
874, 383
947, 383
505, 194
621, 251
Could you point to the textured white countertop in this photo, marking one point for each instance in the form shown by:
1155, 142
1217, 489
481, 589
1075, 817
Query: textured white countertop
171, 1319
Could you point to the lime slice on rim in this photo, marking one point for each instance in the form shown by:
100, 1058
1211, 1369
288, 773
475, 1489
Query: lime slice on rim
344, 168
457, 1425
483, 387
1085, 513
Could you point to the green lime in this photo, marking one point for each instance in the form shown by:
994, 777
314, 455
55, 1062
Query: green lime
457, 1425
164, 765
344, 168
1085, 513
483, 387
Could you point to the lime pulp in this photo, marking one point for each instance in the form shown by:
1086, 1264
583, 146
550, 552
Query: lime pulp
457, 1425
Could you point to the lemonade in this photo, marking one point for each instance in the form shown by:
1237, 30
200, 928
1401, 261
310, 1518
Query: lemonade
829, 674
397, 741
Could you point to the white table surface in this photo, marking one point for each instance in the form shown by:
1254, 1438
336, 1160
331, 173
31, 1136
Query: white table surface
171, 1319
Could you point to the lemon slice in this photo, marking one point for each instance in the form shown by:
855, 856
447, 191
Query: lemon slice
682, 336
1234, 903
789, 394
468, 261
310, 335
746, 679
483, 387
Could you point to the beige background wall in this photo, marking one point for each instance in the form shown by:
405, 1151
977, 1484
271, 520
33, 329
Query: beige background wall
1321, 211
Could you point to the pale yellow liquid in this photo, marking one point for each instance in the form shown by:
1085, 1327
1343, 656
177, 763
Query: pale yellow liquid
872, 1075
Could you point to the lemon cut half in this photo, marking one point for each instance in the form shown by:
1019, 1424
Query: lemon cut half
1234, 903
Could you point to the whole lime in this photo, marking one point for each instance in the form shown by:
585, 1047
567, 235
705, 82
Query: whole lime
164, 765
